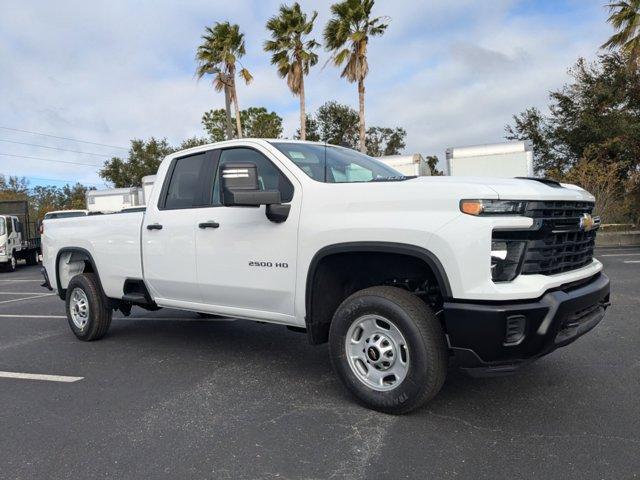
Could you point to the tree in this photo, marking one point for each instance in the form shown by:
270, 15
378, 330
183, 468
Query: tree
291, 53
222, 47
213, 122
625, 18
385, 141
337, 124
144, 159
13, 188
593, 126
312, 129
192, 142
347, 36
598, 110
432, 161
257, 122
74, 197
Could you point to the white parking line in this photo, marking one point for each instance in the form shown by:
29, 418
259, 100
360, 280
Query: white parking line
40, 295
618, 255
632, 261
173, 319
23, 293
37, 376
23, 280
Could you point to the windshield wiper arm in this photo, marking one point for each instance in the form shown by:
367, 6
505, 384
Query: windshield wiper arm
392, 179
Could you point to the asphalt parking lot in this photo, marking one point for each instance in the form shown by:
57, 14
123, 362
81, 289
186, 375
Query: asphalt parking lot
168, 395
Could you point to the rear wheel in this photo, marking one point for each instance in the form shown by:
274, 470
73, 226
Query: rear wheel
32, 259
388, 348
88, 314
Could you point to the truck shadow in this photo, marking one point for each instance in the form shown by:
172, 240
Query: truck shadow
258, 351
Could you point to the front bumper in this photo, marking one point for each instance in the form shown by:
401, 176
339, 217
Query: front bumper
481, 335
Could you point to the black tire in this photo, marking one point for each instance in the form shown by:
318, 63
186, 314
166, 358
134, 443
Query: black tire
426, 348
32, 259
99, 313
11, 264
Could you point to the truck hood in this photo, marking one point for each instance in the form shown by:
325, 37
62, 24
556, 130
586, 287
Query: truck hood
514, 188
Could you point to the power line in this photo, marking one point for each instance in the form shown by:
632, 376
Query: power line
49, 160
63, 138
56, 148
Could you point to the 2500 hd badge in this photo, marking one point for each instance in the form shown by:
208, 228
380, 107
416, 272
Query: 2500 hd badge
268, 264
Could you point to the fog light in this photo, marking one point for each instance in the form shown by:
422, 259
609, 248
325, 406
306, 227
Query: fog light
505, 259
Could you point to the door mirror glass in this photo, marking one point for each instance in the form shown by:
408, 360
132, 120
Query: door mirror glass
240, 187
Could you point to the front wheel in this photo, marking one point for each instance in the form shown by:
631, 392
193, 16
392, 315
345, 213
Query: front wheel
388, 349
88, 314
12, 263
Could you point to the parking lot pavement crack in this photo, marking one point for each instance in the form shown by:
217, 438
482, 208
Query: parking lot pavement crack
577, 436
35, 338
464, 422
536, 435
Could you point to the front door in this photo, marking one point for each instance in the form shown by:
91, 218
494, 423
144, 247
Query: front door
169, 227
247, 264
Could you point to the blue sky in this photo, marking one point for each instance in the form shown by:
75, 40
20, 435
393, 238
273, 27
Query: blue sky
451, 73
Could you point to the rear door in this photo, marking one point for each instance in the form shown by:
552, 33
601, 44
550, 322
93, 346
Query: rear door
168, 231
247, 264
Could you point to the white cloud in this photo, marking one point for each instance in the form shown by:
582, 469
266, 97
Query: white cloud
451, 73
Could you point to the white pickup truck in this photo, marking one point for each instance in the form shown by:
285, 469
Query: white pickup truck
400, 275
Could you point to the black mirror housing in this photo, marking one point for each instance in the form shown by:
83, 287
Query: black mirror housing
239, 182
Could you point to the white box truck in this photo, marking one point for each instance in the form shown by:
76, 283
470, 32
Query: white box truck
410, 165
147, 186
114, 199
506, 160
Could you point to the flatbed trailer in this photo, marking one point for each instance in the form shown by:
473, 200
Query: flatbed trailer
19, 235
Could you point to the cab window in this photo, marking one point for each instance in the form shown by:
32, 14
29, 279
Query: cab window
269, 177
185, 187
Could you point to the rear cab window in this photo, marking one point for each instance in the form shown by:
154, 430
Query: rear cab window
186, 185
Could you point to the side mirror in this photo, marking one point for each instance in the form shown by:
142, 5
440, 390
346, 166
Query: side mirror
239, 185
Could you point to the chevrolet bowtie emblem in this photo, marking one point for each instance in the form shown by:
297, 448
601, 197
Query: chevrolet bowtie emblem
588, 223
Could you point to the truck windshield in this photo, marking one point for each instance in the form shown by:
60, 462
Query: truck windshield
3, 229
332, 164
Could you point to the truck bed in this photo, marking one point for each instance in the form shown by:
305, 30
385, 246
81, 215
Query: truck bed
113, 241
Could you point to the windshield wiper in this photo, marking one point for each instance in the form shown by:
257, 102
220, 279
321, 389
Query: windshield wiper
392, 179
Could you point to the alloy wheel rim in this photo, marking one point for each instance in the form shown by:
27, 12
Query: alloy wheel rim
377, 352
79, 308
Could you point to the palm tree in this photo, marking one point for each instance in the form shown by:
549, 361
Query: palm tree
347, 36
222, 47
291, 53
625, 18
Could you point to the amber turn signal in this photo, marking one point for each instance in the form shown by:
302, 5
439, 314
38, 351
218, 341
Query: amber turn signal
471, 207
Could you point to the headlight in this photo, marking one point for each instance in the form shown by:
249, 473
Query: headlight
492, 207
505, 259
2, 249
